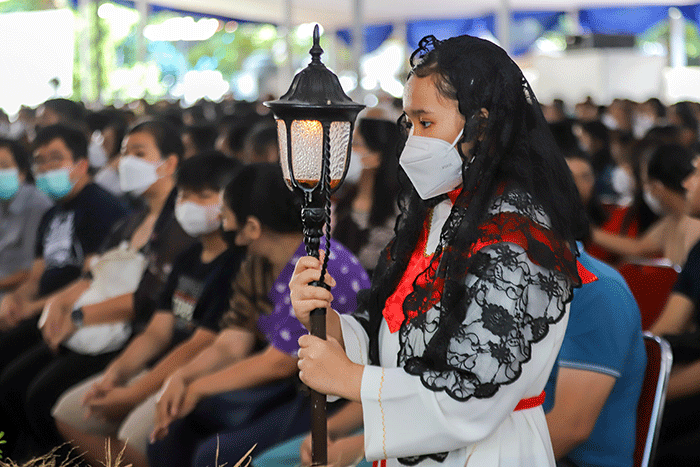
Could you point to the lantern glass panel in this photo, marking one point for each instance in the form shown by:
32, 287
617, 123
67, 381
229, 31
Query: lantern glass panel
340, 140
307, 152
284, 158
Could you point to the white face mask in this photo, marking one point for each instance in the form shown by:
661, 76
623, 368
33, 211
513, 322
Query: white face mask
653, 203
642, 124
136, 175
197, 220
609, 121
434, 166
355, 168
622, 182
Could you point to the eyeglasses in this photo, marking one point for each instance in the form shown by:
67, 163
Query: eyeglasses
42, 163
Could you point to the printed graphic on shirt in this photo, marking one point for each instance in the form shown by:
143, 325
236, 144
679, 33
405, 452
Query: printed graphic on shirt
60, 249
185, 298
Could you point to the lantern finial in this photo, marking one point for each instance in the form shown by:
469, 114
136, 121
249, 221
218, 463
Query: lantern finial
316, 50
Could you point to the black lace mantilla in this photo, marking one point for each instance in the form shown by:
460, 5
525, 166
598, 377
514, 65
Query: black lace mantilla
511, 297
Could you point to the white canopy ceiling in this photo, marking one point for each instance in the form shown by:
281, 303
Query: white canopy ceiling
338, 13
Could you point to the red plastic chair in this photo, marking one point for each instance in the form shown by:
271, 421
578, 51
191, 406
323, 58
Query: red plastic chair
652, 399
651, 282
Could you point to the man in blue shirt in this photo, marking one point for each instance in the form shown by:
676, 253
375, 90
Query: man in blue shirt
598, 375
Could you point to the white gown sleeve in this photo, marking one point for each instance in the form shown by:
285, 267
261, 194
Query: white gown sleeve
355, 339
356, 343
403, 418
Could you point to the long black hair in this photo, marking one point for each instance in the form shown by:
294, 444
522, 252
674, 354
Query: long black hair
259, 190
670, 164
165, 134
381, 136
512, 144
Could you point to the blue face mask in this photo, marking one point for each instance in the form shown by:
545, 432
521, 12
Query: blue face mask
55, 183
9, 183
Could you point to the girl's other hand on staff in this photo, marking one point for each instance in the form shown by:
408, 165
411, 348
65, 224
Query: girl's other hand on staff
324, 367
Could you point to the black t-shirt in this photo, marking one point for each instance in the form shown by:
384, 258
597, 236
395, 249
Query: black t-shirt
71, 231
688, 282
686, 346
197, 293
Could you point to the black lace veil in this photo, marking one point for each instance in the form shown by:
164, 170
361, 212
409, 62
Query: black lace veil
513, 145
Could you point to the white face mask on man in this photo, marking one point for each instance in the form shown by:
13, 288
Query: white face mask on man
196, 219
433, 165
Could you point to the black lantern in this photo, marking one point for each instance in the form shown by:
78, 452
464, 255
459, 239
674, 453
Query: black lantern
315, 121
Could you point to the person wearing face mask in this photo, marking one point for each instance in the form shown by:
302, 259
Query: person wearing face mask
119, 403
69, 234
675, 233
365, 215
450, 349
22, 206
242, 390
594, 140
84, 324
647, 115
622, 145
112, 134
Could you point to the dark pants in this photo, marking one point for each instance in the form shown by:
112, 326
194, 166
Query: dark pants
32, 383
238, 420
679, 443
13, 344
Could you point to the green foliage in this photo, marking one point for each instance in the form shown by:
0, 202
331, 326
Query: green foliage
11, 6
661, 34
228, 49
2, 441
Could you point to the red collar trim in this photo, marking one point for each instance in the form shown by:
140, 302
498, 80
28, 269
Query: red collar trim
586, 276
505, 227
454, 194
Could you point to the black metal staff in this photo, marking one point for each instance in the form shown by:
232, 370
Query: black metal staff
315, 121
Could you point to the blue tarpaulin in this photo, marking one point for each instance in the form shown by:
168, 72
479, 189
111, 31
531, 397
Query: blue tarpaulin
691, 13
445, 28
631, 20
374, 36
528, 26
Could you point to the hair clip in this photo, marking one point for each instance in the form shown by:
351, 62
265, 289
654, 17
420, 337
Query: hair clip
425, 46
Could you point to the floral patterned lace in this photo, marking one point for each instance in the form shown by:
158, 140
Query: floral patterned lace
519, 283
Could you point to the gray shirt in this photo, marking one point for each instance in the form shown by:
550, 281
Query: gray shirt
19, 224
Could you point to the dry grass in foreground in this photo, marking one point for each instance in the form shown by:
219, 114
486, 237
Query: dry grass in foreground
50, 459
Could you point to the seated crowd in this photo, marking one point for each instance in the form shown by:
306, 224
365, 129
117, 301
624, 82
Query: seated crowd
145, 256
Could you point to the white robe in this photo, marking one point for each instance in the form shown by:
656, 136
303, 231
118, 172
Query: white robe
403, 418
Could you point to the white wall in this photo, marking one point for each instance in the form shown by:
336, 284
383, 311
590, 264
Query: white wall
604, 74
682, 83
36, 47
